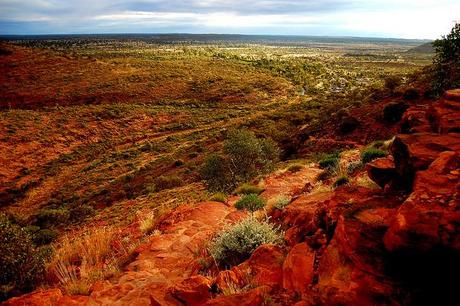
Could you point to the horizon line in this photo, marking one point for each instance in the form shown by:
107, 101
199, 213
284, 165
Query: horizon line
222, 34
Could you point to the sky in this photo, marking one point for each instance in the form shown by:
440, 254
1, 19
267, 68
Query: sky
421, 19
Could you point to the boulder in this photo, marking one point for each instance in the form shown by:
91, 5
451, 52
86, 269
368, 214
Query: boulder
38, 298
266, 265
430, 217
415, 120
229, 280
298, 268
340, 282
423, 240
382, 171
453, 95
444, 117
193, 291
416, 152
304, 216
250, 298
51, 297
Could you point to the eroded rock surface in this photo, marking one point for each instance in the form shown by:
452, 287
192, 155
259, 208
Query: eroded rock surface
348, 246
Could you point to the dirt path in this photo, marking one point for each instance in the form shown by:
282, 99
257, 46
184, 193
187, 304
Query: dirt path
167, 259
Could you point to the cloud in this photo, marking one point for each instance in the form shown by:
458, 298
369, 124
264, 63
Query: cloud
411, 18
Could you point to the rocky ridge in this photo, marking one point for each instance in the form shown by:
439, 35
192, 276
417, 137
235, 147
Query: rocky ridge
398, 245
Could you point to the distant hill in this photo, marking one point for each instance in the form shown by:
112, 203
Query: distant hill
425, 48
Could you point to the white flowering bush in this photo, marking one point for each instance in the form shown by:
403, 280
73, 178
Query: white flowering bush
235, 243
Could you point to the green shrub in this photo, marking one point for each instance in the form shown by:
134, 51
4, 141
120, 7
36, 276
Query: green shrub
193, 154
282, 203
447, 61
178, 163
249, 189
377, 144
295, 168
353, 166
219, 197
44, 236
79, 213
329, 161
167, 182
348, 124
249, 156
411, 94
52, 217
340, 181
235, 243
391, 82
370, 154
216, 173
393, 111
244, 157
251, 202
21, 263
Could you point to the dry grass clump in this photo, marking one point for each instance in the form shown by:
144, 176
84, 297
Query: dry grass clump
81, 261
147, 223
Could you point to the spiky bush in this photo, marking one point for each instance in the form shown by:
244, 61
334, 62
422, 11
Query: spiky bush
282, 202
329, 161
235, 243
370, 154
249, 189
295, 168
219, 197
251, 202
340, 181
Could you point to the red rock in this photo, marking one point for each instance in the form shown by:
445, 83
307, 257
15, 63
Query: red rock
414, 121
382, 171
289, 183
38, 298
417, 151
266, 265
429, 217
453, 94
342, 283
252, 297
304, 216
235, 216
298, 268
228, 280
73, 300
193, 291
444, 117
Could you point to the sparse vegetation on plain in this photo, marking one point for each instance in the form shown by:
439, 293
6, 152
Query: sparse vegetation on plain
144, 127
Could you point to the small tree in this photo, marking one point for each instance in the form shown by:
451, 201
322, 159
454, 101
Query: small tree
21, 263
216, 173
447, 60
244, 157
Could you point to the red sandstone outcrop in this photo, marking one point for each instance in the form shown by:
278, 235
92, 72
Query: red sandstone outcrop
349, 246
